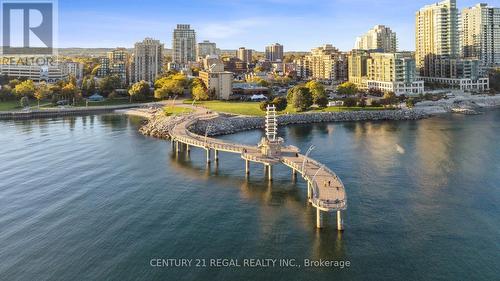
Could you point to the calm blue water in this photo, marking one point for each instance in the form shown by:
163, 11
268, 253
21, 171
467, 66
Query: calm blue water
88, 198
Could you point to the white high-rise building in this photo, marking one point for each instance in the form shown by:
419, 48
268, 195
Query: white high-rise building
481, 34
380, 38
184, 44
206, 48
436, 34
147, 63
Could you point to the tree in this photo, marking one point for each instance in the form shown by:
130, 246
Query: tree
69, 91
139, 91
280, 103
171, 85
300, 98
350, 102
389, 98
88, 86
200, 93
410, 102
13, 83
263, 105
494, 76
41, 92
318, 93
375, 92
6, 93
109, 83
161, 93
347, 89
25, 88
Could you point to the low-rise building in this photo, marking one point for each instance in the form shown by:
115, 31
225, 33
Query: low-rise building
463, 74
246, 90
389, 72
205, 48
218, 80
46, 73
235, 65
393, 72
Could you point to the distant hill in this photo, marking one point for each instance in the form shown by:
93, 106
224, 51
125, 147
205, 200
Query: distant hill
99, 52
92, 52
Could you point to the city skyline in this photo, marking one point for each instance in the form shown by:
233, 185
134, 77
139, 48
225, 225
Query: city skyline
232, 24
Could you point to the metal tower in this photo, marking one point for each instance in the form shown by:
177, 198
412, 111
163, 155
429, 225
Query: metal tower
271, 123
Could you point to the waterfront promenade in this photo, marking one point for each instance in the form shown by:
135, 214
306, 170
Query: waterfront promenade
325, 190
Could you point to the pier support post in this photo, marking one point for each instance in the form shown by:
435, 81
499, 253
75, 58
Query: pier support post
340, 221
188, 149
216, 155
319, 218
247, 167
270, 172
208, 155
173, 144
177, 148
294, 175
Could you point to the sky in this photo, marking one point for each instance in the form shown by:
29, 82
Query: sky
299, 25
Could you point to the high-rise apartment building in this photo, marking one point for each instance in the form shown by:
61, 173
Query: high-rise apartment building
380, 38
244, 54
481, 34
274, 52
118, 64
205, 48
147, 63
437, 51
436, 34
184, 44
325, 62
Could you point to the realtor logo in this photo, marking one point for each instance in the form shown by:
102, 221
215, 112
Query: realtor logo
28, 27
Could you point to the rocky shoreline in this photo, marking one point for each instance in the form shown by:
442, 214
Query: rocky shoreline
160, 125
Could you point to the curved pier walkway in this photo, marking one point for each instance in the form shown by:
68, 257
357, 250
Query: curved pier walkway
326, 191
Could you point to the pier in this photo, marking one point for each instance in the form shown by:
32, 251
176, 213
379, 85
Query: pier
325, 191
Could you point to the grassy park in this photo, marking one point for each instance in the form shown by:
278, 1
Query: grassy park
176, 110
253, 109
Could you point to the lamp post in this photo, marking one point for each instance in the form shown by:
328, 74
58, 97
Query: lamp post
311, 148
206, 133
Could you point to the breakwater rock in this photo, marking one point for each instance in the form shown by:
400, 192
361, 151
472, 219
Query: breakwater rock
159, 125
224, 125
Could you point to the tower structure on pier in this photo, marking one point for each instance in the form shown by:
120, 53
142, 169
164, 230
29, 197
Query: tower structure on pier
271, 144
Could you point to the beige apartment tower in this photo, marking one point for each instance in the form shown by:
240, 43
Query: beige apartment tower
379, 38
436, 34
244, 54
147, 62
274, 52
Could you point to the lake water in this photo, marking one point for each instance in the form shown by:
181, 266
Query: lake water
89, 198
